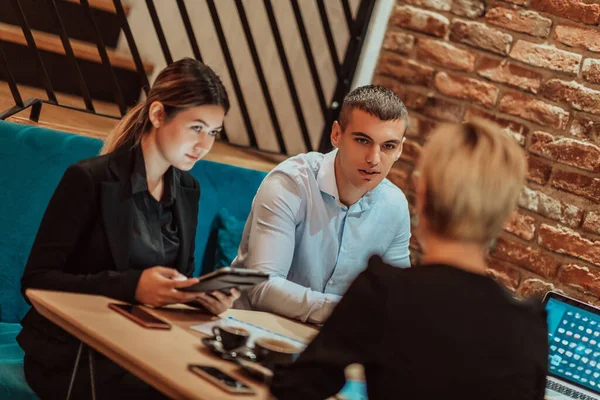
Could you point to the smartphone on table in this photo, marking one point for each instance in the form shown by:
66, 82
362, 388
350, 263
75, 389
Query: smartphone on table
221, 379
140, 316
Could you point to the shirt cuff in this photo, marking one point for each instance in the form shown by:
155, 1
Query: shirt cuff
324, 309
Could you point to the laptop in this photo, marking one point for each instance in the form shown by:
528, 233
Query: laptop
574, 349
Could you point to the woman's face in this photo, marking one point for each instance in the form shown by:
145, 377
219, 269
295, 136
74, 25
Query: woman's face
187, 137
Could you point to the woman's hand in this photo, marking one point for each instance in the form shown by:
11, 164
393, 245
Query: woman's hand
158, 286
217, 302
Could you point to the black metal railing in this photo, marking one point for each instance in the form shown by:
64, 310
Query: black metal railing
328, 105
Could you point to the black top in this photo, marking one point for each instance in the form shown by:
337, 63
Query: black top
431, 332
155, 238
84, 243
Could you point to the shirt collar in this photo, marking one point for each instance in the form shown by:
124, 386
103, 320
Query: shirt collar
326, 176
139, 182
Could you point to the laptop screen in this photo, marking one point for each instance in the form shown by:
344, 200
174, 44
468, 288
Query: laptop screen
574, 342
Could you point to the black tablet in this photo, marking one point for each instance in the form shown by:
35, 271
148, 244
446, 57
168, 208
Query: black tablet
227, 278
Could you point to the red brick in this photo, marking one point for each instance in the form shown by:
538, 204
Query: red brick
545, 56
591, 223
504, 71
398, 42
526, 257
420, 20
432, 106
535, 288
590, 71
439, 5
534, 110
446, 55
411, 151
580, 277
567, 151
523, 21
443, 110
575, 10
593, 300
586, 128
413, 99
549, 207
404, 70
420, 127
411, 198
414, 126
415, 258
399, 177
574, 94
520, 225
414, 242
566, 241
581, 185
515, 129
480, 35
575, 36
466, 89
390, 83
507, 276
468, 8
539, 171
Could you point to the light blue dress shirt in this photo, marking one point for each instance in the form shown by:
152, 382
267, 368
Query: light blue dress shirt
311, 244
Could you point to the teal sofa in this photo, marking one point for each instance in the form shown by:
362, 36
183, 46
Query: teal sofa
32, 161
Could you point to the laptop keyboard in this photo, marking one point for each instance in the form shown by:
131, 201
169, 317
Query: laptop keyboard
575, 350
567, 391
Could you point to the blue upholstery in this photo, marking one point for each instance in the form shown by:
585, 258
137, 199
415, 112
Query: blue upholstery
12, 379
32, 160
223, 187
229, 235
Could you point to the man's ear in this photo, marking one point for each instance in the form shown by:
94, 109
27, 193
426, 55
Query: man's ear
336, 134
401, 148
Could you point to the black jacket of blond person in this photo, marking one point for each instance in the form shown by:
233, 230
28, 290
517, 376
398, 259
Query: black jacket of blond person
430, 332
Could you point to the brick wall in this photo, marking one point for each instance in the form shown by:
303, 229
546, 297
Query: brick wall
532, 66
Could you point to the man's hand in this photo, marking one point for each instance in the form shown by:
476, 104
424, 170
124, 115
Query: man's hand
158, 286
217, 302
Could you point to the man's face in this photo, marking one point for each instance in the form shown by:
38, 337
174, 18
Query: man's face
368, 147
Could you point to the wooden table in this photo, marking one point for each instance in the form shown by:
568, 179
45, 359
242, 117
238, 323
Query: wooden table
159, 358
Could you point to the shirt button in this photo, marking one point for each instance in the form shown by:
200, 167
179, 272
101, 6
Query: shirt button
332, 282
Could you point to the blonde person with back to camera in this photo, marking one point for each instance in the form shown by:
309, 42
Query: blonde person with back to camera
443, 330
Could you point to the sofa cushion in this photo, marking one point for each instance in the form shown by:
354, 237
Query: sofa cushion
33, 161
222, 187
229, 236
12, 379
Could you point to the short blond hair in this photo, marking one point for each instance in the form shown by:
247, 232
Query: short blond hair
472, 175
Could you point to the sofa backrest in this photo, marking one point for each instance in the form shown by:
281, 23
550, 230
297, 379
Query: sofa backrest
32, 161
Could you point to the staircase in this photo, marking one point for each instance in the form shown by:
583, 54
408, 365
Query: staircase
24, 67
23, 64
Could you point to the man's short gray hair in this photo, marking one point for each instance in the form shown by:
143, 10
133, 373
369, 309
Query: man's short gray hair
376, 100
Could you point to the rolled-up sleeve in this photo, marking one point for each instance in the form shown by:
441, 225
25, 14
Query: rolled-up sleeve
278, 207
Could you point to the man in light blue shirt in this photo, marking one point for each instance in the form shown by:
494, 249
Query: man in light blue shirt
317, 218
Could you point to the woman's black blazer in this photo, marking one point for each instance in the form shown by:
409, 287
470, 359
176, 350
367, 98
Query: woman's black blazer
84, 240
